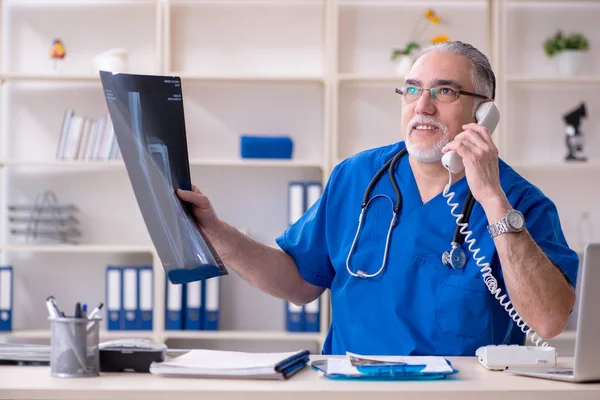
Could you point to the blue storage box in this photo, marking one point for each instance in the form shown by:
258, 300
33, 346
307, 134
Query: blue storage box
266, 146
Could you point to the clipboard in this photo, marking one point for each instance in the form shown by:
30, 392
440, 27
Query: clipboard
383, 372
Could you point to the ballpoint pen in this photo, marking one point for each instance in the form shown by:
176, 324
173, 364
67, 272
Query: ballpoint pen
93, 315
52, 307
96, 311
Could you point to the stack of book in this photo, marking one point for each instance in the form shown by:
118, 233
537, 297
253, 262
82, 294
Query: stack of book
87, 138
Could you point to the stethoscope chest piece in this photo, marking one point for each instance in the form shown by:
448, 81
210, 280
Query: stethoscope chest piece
455, 258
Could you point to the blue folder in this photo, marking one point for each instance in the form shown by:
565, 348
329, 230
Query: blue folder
114, 296
193, 294
6, 298
146, 298
384, 372
174, 317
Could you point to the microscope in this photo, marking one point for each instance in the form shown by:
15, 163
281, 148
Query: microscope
574, 137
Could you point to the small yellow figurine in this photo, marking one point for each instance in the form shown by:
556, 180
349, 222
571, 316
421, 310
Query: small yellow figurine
57, 52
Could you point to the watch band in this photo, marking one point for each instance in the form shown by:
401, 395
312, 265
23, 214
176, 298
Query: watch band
498, 228
508, 223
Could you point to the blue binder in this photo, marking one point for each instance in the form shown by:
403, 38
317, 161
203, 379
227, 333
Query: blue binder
212, 303
6, 298
296, 201
312, 316
313, 189
130, 298
311, 312
294, 317
114, 294
146, 297
174, 306
193, 307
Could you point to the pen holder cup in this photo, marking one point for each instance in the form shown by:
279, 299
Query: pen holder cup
75, 349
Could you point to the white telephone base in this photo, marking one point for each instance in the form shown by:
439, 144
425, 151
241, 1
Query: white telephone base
501, 357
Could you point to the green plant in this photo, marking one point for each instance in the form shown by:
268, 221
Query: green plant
561, 42
410, 46
428, 18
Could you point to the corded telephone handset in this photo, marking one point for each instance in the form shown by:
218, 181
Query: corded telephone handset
494, 357
487, 115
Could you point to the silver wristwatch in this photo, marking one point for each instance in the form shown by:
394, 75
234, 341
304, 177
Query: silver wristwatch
513, 221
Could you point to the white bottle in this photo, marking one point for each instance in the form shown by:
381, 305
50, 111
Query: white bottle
585, 230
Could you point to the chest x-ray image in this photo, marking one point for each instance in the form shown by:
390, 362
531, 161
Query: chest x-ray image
148, 119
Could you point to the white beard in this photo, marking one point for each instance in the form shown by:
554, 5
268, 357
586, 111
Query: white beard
426, 153
431, 153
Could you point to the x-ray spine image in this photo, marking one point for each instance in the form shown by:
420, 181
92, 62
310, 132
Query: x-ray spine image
150, 131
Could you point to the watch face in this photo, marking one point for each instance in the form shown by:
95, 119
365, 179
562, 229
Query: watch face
515, 220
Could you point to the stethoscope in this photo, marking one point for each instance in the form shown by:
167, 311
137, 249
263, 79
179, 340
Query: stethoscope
455, 257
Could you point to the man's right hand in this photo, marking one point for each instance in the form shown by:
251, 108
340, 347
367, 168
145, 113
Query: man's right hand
204, 213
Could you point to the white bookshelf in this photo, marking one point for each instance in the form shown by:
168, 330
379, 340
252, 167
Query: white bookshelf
224, 97
317, 70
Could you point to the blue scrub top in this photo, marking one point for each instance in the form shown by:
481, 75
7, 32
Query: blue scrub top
417, 305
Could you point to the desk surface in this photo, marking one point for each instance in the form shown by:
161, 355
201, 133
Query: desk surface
472, 382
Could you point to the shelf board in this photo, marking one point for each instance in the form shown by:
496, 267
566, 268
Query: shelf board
79, 3
66, 163
279, 163
408, 3
225, 335
18, 77
568, 334
45, 334
76, 248
246, 2
545, 4
243, 335
394, 79
246, 78
196, 162
556, 167
552, 79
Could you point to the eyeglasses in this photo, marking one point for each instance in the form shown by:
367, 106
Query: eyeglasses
442, 94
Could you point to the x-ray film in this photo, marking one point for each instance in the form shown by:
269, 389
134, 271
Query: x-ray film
148, 119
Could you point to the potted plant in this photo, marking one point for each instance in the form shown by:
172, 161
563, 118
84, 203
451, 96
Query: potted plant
568, 50
404, 57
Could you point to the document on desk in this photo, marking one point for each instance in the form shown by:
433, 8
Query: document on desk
388, 367
24, 353
231, 364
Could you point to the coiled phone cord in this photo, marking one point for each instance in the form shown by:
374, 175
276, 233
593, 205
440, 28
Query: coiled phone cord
486, 270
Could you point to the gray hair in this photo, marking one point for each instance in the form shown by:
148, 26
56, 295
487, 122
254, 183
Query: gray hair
484, 80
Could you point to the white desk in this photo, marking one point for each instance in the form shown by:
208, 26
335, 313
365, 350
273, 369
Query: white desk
472, 382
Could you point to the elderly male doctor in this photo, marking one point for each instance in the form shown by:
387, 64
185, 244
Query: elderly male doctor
412, 303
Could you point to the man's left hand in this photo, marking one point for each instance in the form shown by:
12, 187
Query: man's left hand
480, 157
